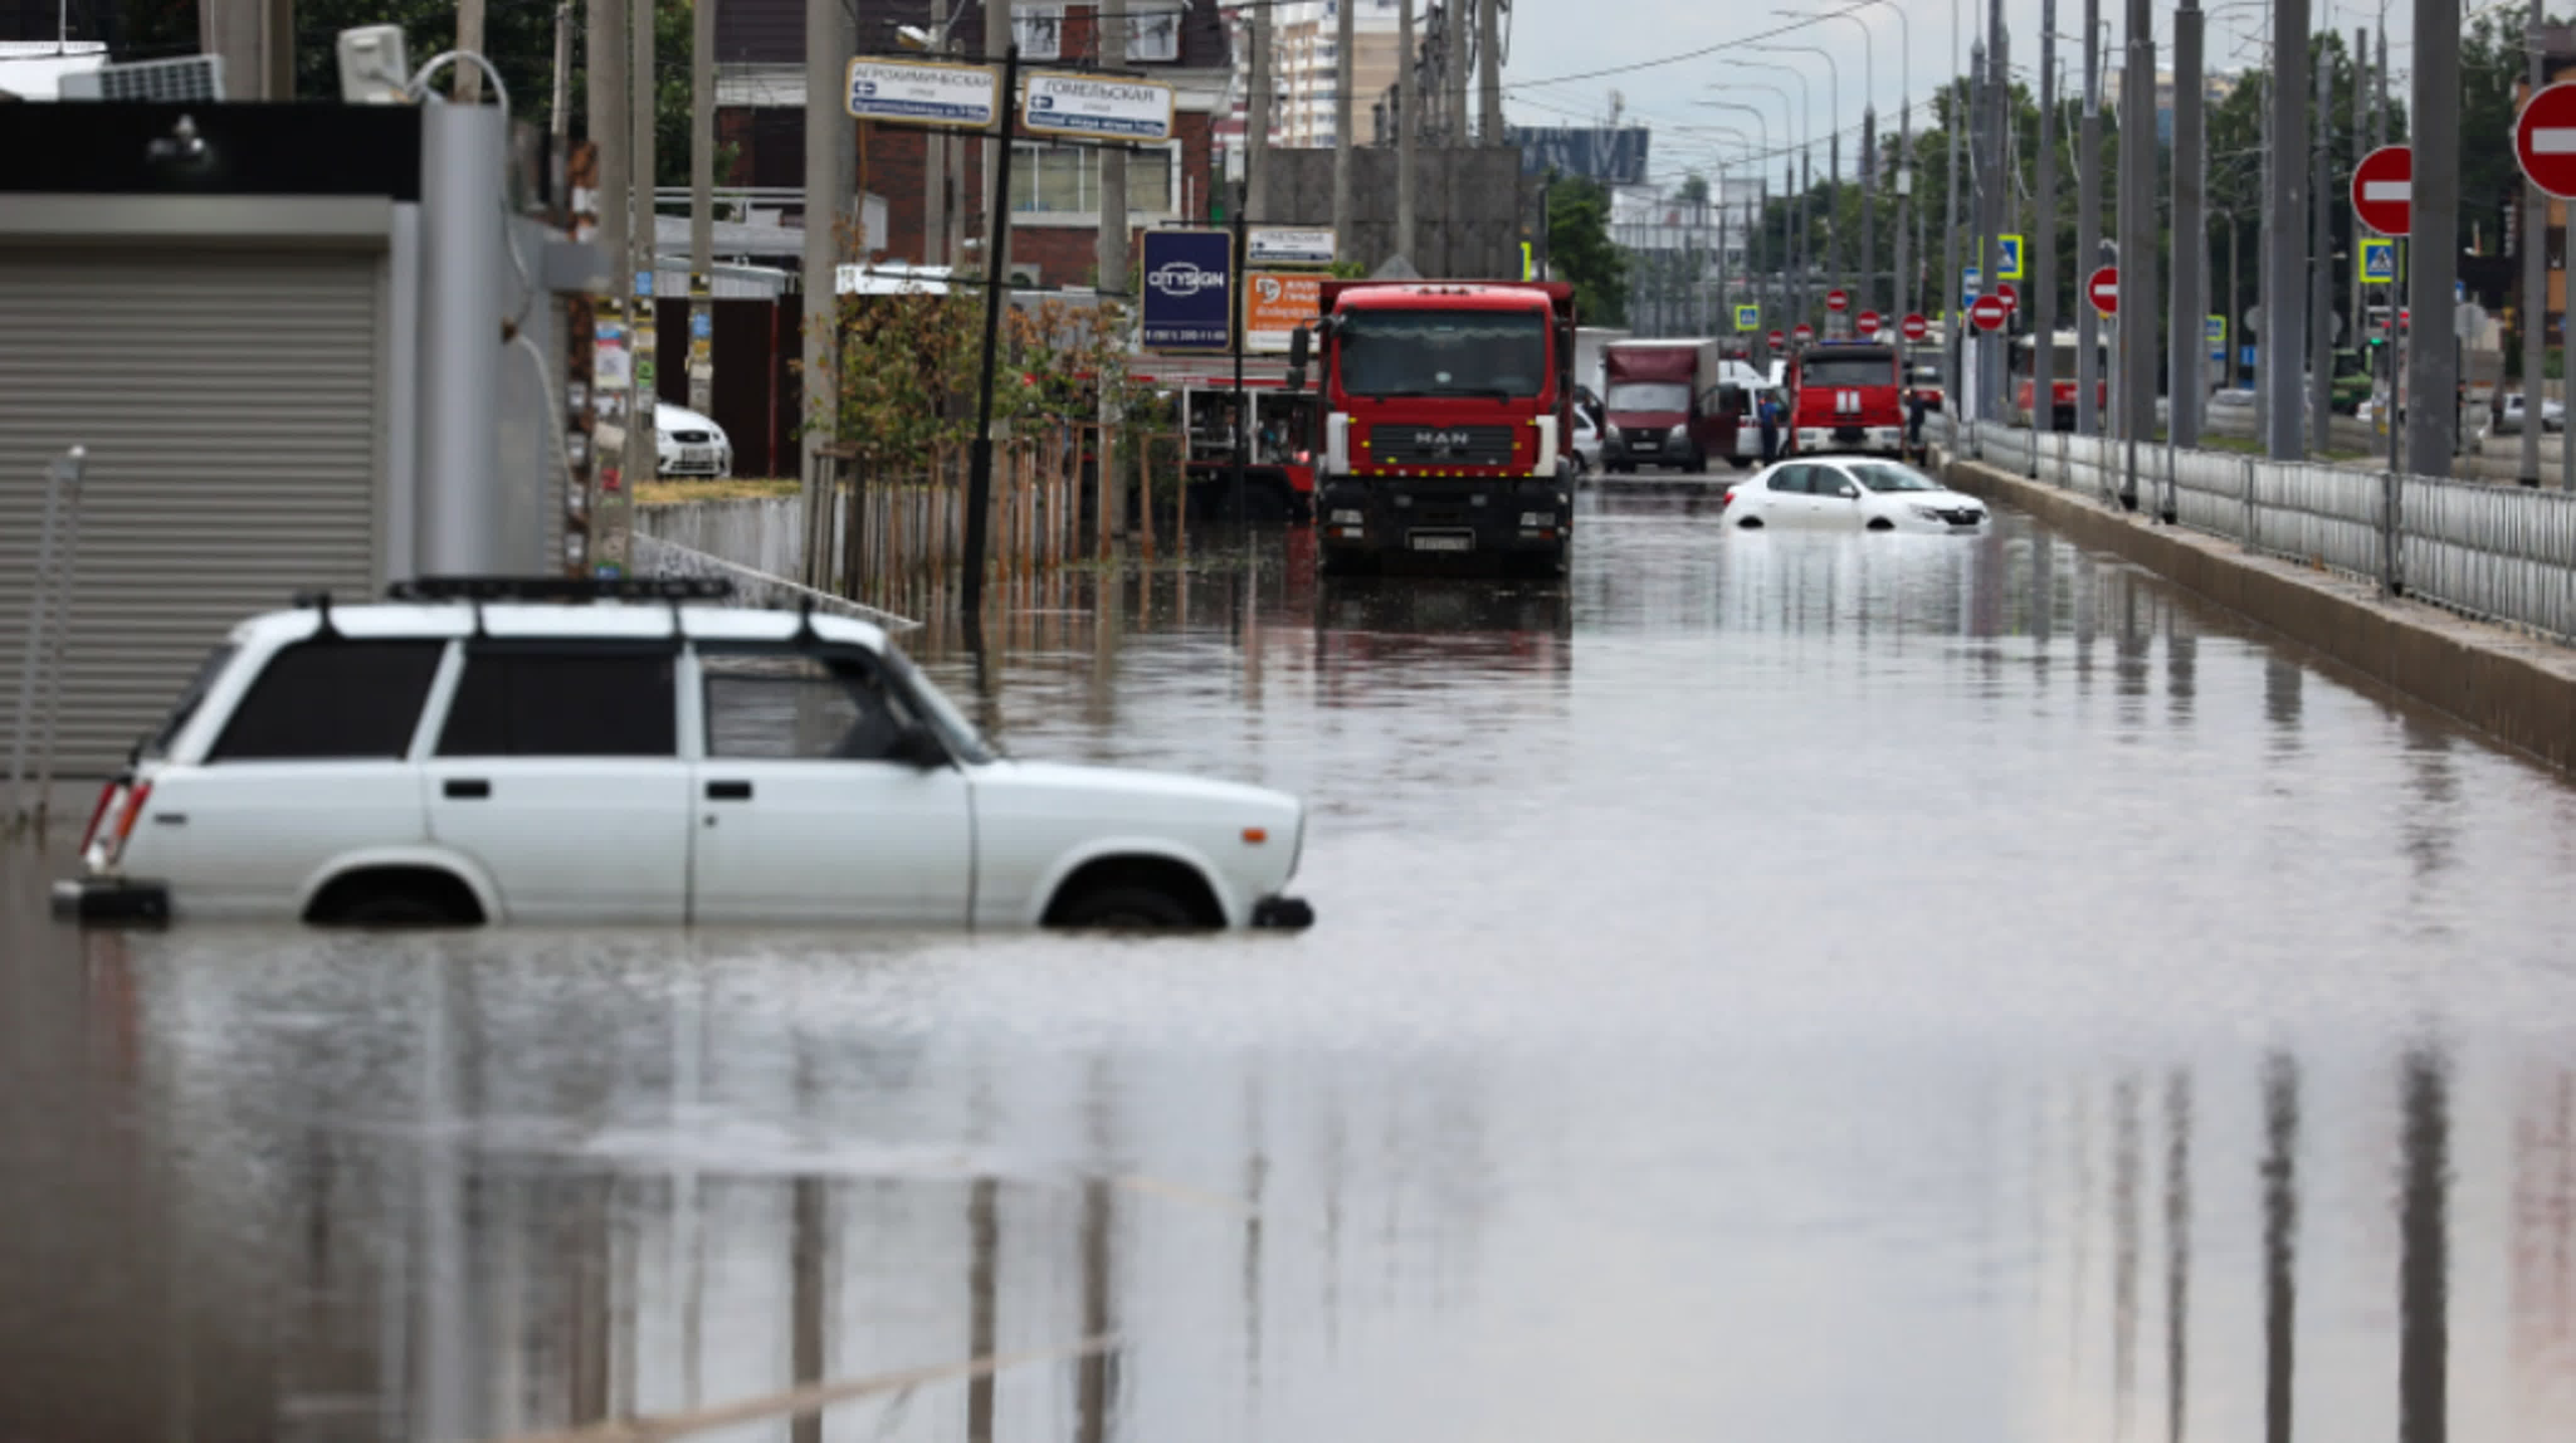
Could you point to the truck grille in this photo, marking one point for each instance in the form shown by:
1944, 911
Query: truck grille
1440, 445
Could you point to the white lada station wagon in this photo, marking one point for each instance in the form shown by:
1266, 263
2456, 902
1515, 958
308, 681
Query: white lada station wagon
479, 750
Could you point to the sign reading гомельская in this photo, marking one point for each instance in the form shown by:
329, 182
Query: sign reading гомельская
1098, 107
1189, 296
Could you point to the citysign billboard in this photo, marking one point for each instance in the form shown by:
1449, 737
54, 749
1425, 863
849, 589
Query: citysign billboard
1189, 298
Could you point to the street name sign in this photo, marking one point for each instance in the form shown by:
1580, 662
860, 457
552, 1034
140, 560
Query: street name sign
1288, 246
2383, 190
1096, 107
929, 92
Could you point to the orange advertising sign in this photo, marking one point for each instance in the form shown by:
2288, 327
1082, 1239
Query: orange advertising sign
1277, 303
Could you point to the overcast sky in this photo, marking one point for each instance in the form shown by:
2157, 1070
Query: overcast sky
1556, 39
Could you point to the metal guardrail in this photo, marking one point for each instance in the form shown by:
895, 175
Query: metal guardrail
2499, 553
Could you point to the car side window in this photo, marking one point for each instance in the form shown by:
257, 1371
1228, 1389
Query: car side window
1790, 480
782, 704
1826, 481
332, 699
563, 699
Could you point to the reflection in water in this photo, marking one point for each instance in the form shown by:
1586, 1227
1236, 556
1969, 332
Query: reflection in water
2125, 1167
2280, 1241
2177, 1253
983, 1290
809, 1292
2424, 1271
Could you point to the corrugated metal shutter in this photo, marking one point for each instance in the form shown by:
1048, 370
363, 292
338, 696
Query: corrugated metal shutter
229, 403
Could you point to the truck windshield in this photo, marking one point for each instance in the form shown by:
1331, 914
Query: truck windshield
1443, 353
1633, 396
1848, 371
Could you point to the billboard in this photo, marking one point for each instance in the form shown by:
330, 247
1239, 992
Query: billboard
1188, 302
1275, 304
1611, 155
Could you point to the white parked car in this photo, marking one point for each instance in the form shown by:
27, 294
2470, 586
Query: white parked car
688, 444
2508, 415
1851, 493
1587, 441
447, 761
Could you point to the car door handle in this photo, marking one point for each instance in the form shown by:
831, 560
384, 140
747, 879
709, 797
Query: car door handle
469, 789
728, 791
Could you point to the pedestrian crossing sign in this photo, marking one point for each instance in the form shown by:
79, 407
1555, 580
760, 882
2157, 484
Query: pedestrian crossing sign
2214, 330
2008, 258
1748, 318
2378, 261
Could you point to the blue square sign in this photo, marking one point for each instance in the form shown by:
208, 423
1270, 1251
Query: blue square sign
1189, 290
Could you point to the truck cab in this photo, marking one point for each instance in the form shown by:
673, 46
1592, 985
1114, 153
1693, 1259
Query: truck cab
1447, 419
1669, 405
1847, 396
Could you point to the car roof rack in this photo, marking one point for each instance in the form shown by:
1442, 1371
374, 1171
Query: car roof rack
562, 588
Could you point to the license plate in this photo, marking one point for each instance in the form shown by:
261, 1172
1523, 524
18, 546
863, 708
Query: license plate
698, 454
1444, 543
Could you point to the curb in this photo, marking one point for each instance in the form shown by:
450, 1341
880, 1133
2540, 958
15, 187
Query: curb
2516, 688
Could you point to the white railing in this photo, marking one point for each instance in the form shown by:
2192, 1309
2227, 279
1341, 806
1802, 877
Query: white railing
2498, 552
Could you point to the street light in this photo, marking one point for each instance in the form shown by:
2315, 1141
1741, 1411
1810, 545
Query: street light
1834, 121
1804, 254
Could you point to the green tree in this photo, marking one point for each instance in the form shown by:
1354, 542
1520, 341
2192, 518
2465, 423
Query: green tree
1579, 249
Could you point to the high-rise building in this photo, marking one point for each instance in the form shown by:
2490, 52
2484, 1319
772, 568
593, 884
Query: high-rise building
1304, 68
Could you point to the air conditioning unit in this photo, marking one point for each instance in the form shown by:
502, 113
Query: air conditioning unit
185, 78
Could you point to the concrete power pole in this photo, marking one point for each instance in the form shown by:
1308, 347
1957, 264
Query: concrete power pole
1955, 118
1256, 121
2432, 355
827, 127
702, 210
604, 53
2321, 267
1866, 298
1897, 309
1110, 266
469, 38
2357, 332
1489, 71
2088, 230
2186, 343
2138, 238
642, 333
559, 114
2043, 281
998, 33
935, 150
256, 39
1344, 243
2285, 202
2534, 311
1408, 129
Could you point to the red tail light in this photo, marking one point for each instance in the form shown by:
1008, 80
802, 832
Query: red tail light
136, 795
106, 799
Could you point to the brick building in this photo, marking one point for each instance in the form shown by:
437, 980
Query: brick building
1055, 221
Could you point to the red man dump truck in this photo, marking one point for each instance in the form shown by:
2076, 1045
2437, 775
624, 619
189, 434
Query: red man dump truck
1446, 412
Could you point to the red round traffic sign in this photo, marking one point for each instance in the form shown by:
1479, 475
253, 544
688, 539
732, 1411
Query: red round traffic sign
2544, 139
2011, 294
1779, 339
1805, 332
2103, 289
2383, 189
1868, 324
1916, 328
1838, 300
1990, 312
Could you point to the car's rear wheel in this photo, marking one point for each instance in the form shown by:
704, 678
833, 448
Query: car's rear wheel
396, 897
1128, 909
1749, 523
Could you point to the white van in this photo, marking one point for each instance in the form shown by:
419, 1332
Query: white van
487, 750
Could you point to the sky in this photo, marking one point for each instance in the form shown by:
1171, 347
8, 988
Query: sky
1656, 47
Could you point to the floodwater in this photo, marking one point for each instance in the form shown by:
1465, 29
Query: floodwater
1768, 986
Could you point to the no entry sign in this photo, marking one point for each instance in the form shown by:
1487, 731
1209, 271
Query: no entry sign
2383, 189
1838, 300
2103, 289
1805, 332
1868, 324
2544, 139
1990, 312
1916, 328
1779, 339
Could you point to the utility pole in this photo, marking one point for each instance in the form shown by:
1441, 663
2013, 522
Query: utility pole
1898, 310
1866, 299
2432, 353
997, 293
1489, 71
1408, 129
469, 38
702, 210
935, 150
1001, 40
2187, 342
1256, 120
1953, 119
1344, 242
2138, 242
2534, 313
2043, 365
826, 125
2088, 230
2359, 328
604, 52
642, 330
2285, 201
559, 114
1109, 264
2321, 263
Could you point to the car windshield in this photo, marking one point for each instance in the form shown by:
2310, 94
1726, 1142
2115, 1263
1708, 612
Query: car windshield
964, 741
193, 697
1888, 476
1635, 396
1501, 354
1848, 371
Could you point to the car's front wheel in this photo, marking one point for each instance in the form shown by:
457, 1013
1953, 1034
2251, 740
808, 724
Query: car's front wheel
1128, 909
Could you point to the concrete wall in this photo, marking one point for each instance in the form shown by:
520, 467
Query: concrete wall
2518, 689
766, 534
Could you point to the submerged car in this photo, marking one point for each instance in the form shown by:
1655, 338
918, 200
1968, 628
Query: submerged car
474, 752
1851, 493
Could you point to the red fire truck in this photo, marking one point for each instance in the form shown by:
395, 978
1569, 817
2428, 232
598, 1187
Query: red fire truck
1447, 417
1847, 396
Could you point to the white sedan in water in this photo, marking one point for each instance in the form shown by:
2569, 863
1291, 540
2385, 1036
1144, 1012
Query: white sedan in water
1851, 493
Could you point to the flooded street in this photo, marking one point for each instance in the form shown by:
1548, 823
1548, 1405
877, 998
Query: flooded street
1768, 986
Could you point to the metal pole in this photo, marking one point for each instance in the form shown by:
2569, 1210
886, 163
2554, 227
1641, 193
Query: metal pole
1489, 72
2187, 345
702, 211
2138, 242
2321, 265
2535, 291
935, 147
1256, 117
2088, 230
1110, 252
1995, 177
2358, 324
2285, 204
2432, 363
1235, 299
458, 513
604, 54
1902, 288
1953, 121
1867, 299
997, 292
827, 174
40, 605
1408, 129
642, 455
1344, 243
559, 114
2043, 369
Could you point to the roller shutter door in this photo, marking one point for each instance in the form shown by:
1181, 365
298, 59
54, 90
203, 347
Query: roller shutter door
230, 405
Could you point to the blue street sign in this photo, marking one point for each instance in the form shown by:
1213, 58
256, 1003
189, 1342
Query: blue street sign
1968, 279
1748, 318
701, 325
2378, 261
2008, 263
643, 283
1189, 296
